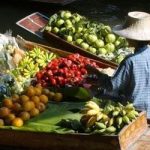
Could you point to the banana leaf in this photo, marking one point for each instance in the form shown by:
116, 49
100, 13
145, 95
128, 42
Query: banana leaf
76, 92
49, 119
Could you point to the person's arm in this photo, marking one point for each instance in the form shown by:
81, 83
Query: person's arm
116, 85
112, 87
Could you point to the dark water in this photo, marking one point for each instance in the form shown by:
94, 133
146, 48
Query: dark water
110, 12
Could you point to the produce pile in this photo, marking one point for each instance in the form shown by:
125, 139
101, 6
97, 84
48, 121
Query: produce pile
102, 117
30, 64
93, 37
108, 118
64, 71
17, 109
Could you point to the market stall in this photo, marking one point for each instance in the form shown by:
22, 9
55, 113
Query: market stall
46, 98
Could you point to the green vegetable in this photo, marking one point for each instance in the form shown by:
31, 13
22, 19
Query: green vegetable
110, 47
99, 43
67, 15
59, 22
84, 45
102, 51
91, 38
110, 38
79, 41
69, 38
92, 49
55, 30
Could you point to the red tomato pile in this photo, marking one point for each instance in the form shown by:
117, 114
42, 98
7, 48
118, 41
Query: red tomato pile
64, 71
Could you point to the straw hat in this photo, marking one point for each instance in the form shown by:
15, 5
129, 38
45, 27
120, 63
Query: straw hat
136, 27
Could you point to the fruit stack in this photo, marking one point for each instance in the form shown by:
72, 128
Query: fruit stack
93, 37
108, 119
64, 71
20, 108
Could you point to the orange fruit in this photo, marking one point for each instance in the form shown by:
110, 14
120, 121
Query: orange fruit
7, 102
17, 122
51, 95
45, 91
28, 106
4, 112
31, 91
41, 107
43, 99
58, 97
34, 112
24, 115
35, 99
38, 91
24, 98
16, 107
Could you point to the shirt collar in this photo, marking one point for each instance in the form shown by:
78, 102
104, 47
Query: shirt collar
144, 48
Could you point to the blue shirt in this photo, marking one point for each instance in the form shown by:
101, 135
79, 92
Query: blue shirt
132, 80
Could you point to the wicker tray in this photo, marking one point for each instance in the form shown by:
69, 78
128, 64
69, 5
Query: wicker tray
63, 44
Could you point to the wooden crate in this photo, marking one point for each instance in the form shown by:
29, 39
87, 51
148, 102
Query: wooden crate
59, 42
51, 141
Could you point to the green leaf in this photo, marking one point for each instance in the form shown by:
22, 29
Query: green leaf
77, 92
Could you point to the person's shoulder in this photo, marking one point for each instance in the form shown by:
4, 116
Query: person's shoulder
128, 59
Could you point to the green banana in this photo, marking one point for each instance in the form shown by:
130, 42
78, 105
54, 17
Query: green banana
111, 129
100, 125
115, 113
119, 120
126, 120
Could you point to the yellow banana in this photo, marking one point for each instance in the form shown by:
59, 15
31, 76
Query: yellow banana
99, 116
111, 122
92, 105
92, 112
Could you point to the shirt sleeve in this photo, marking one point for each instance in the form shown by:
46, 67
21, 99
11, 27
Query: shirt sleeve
114, 87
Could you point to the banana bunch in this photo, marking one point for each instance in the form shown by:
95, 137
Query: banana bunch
109, 119
33, 61
40, 57
91, 114
43, 59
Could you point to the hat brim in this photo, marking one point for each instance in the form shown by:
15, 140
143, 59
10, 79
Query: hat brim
129, 33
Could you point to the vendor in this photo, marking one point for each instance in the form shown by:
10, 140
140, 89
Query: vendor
131, 81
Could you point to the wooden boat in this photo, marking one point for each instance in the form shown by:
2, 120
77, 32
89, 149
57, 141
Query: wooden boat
73, 48
54, 141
